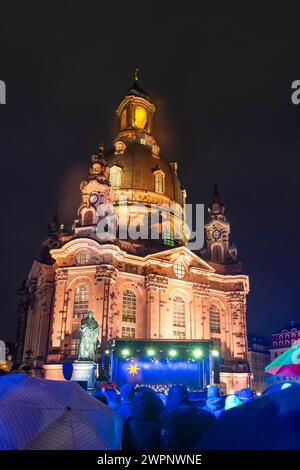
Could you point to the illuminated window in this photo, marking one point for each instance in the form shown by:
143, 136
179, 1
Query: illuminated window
216, 343
83, 257
88, 218
81, 301
168, 237
75, 343
131, 268
128, 332
129, 307
159, 182
178, 317
140, 117
76, 329
214, 319
115, 176
179, 269
75, 340
124, 119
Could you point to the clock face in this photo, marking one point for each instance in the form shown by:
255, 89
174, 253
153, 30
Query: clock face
93, 198
216, 234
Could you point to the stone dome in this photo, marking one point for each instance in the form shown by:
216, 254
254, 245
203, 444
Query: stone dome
138, 164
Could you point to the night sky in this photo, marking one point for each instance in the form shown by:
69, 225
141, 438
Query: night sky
221, 81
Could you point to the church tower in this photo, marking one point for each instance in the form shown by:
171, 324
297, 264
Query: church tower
141, 176
217, 231
150, 286
96, 212
135, 115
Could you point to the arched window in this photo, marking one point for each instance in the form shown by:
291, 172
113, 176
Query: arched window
128, 332
81, 301
216, 253
88, 218
115, 176
129, 307
214, 319
140, 117
178, 317
75, 339
159, 182
168, 237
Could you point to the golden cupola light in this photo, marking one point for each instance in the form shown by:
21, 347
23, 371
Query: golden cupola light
138, 172
135, 114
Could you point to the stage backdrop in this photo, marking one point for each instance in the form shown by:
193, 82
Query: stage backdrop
139, 371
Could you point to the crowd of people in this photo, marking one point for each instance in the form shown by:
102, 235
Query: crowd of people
177, 419
145, 418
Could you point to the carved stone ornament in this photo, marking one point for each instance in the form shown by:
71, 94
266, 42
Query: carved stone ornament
201, 289
105, 271
61, 275
236, 297
154, 281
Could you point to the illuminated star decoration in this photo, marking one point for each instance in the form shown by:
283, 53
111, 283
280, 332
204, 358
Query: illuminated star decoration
133, 369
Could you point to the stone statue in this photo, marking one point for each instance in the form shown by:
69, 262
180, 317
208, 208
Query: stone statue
88, 338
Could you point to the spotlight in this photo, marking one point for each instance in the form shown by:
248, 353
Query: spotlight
258, 394
151, 352
215, 353
172, 353
125, 352
107, 351
197, 353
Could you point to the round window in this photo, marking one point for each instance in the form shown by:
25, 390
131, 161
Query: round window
83, 257
179, 269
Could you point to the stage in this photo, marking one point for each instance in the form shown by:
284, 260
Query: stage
163, 362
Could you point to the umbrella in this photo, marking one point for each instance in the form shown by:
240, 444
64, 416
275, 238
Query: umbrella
279, 386
54, 415
287, 364
267, 423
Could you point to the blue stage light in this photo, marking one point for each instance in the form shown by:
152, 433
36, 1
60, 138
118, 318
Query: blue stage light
197, 353
215, 353
125, 352
151, 352
172, 353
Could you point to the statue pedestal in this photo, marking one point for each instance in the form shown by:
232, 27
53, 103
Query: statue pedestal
53, 372
85, 371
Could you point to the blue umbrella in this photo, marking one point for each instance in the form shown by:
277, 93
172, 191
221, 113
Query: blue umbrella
270, 422
54, 415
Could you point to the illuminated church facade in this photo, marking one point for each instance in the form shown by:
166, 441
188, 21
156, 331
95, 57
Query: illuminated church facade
145, 288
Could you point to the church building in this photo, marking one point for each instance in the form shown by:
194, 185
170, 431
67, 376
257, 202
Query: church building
147, 287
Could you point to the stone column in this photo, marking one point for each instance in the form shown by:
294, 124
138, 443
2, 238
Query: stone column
156, 313
57, 334
237, 301
106, 274
201, 320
